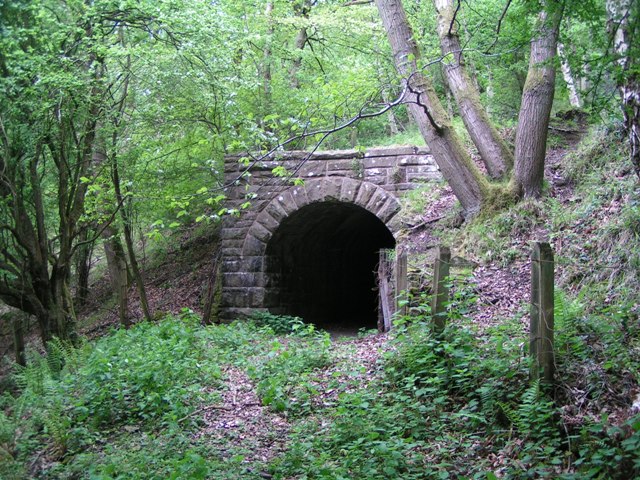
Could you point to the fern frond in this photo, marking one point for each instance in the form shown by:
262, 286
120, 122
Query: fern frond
531, 394
567, 315
62, 353
513, 416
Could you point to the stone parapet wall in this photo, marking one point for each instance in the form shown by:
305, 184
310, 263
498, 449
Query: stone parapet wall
395, 168
372, 180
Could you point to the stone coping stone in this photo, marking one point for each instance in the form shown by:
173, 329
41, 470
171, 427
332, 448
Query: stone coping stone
337, 154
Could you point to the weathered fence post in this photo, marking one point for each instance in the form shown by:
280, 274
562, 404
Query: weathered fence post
541, 323
440, 287
384, 313
401, 282
210, 314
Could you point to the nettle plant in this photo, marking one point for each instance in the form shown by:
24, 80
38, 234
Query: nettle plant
286, 375
281, 324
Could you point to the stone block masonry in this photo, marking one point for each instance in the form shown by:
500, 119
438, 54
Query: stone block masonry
368, 183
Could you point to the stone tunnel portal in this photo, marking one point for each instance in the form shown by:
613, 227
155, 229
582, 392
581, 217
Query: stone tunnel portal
321, 264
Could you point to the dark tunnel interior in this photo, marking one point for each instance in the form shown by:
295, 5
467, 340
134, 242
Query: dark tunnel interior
321, 265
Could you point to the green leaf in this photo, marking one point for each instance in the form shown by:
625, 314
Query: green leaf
280, 171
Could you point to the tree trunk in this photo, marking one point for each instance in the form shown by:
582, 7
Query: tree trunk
494, 152
54, 268
457, 168
55, 319
569, 79
450, 110
624, 29
17, 325
83, 266
301, 10
128, 238
209, 315
63, 308
118, 272
116, 259
537, 99
394, 129
631, 115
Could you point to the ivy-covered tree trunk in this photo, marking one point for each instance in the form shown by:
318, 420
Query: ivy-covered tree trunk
537, 99
466, 181
495, 154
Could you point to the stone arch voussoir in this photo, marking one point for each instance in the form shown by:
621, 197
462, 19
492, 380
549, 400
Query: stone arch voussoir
383, 204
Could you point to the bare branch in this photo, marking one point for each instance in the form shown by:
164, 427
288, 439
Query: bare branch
357, 2
325, 133
453, 18
418, 102
499, 26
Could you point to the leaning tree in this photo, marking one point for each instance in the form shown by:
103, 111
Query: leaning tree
468, 184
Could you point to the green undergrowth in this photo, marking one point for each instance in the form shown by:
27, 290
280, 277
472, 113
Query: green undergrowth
127, 406
461, 405
456, 404
120, 407
285, 375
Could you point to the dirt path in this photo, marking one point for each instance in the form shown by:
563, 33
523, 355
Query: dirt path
240, 425
241, 420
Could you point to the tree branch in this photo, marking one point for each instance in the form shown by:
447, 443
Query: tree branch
102, 229
432, 121
400, 99
357, 2
504, 13
453, 19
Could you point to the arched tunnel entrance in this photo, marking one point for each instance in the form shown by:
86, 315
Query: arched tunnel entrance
321, 264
